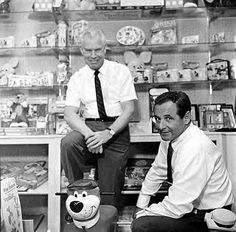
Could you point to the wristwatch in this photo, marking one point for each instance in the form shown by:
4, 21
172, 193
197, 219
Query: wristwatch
112, 132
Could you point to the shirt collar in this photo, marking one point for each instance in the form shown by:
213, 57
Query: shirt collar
182, 137
102, 70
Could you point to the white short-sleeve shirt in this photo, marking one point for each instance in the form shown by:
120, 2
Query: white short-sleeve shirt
116, 83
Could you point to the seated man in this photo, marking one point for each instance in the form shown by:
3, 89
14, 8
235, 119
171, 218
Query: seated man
106, 90
193, 166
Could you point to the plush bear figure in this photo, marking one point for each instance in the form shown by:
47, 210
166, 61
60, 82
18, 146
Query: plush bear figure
19, 109
83, 203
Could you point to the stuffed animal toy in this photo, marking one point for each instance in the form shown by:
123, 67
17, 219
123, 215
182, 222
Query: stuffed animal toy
83, 203
4, 6
136, 64
18, 108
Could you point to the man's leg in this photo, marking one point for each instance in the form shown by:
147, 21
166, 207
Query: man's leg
167, 224
111, 168
74, 155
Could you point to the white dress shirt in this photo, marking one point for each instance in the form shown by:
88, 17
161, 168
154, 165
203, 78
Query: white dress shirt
116, 83
200, 179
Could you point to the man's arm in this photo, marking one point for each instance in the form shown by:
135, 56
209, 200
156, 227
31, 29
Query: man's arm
101, 137
75, 122
122, 121
191, 173
155, 176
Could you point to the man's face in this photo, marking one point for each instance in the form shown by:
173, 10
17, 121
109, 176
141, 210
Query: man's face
94, 52
169, 122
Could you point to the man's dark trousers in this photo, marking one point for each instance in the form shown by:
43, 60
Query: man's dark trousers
75, 159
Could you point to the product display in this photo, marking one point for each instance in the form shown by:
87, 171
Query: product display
29, 175
75, 31
130, 35
165, 46
135, 173
163, 32
218, 69
137, 65
42, 5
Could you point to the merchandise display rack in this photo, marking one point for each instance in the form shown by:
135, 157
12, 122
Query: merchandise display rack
111, 18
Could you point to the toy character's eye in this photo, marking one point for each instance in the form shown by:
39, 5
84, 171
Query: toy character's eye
84, 194
76, 194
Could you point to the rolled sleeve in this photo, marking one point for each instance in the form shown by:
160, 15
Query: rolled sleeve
127, 90
73, 93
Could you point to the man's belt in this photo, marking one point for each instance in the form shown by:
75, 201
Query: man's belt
201, 212
106, 119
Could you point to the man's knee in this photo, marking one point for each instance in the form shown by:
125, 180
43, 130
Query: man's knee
138, 225
71, 139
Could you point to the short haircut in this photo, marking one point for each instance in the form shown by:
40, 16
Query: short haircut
92, 33
181, 100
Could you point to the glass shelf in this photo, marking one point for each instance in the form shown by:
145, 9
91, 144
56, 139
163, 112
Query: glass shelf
119, 13
42, 189
33, 88
19, 51
24, 16
216, 84
114, 47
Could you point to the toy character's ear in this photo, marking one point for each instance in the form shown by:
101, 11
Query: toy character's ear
145, 56
129, 56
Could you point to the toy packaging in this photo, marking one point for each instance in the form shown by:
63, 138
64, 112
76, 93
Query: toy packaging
163, 32
135, 173
218, 69
42, 5
10, 206
170, 4
75, 31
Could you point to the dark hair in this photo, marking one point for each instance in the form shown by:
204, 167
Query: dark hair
181, 99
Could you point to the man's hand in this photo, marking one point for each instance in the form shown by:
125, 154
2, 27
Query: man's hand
96, 139
136, 210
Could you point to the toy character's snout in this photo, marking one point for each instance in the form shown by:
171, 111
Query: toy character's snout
76, 206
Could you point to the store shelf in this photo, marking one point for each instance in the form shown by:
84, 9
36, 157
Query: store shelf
216, 84
114, 47
28, 51
41, 190
189, 21
115, 12
24, 16
136, 138
48, 189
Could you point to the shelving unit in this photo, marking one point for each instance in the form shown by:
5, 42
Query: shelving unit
54, 166
24, 23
